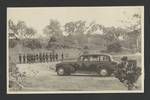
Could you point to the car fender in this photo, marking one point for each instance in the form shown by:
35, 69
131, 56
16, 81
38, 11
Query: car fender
67, 67
108, 67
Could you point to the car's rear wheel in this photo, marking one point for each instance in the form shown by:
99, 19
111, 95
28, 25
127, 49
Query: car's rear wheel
61, 71
103, 72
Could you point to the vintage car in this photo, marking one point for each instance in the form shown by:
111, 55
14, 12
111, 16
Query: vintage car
102, 64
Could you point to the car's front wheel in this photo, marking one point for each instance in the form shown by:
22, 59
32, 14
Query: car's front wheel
61, 71
103, 72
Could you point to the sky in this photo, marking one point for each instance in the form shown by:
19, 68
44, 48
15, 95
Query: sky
39, 17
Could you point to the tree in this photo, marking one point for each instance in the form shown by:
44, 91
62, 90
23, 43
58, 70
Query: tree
75, 28
92, 28
12, 43
70, 28
80, 27
29, 32
16, 79
113, 34
136, 29
114, 47
20, 30
53, 29
32, 43
54, 32
12, 29
134, 34
75, 31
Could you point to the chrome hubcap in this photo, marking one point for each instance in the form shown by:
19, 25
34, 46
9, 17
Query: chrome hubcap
61, 71
103, 72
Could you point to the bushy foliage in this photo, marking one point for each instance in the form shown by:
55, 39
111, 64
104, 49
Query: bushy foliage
114, 47
32, 44
77, 34
16, 79
12, 43
53, 29
20, 30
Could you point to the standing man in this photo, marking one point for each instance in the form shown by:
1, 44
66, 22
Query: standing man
53, 57
37, 58
43, 57
31, 57
46, 57
56, 57
62, 56
40, 57
20, 58
34, 57
122, 68
50, 57
24, 58
27, 58
133, 73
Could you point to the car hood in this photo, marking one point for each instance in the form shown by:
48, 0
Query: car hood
70, 61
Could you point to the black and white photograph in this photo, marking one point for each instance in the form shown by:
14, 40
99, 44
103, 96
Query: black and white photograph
97, 49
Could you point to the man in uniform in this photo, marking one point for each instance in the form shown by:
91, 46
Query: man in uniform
53, 57
37, 58
127, 73
20, 58
50, 57
24, 58
133, 73
34, 58
43, 57
28, 58
62, 56
56, 57
31, 58
46, 56
40, 57
121, 73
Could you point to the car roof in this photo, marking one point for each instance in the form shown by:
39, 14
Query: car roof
95, 55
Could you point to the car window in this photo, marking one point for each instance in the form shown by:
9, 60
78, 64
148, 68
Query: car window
84, 58
104, 58
81, 58
94, 58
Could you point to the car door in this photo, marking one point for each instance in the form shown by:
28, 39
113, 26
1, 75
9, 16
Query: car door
93, 62
83, 63
90, 63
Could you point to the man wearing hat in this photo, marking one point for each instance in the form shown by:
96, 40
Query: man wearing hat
24, 58
122, 67
20, 58
40, 57
127, 73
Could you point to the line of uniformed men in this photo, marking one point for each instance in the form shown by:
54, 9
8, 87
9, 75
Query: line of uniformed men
40, 57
